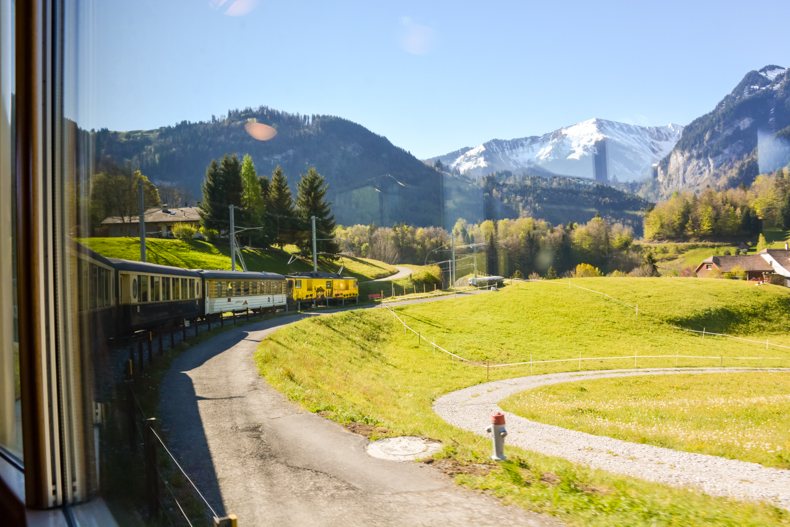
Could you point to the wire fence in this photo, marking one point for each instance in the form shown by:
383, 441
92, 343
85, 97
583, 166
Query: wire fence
719, 359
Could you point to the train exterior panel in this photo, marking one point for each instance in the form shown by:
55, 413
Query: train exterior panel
238, 291
320, 286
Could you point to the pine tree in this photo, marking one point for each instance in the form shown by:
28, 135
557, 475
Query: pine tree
311, 201
252, 199
280, 208
492, 257
222, 187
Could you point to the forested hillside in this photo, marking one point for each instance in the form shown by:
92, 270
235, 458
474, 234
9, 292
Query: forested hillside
370, 180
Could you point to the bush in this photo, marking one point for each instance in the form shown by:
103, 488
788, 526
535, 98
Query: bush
585, 270
184, 232
617, 274
211, 235
535, 276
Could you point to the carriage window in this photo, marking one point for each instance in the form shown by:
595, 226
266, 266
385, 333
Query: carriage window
184, 289
298, 284
246, 291
166, 288
144, 286
176, 289
156, 289
197, 288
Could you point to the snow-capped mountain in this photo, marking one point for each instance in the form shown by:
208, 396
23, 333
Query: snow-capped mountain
747, 133
597, 149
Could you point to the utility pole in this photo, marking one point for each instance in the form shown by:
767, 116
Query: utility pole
452, 260
315, 251
474, 252
232, 240
142, 222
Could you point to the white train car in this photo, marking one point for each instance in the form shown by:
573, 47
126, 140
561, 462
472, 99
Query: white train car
238, 291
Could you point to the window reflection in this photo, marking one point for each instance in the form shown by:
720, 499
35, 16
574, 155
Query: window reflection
10, 419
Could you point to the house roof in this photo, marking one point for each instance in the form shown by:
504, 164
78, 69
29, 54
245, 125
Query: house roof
779, 259
752, 262
160, 215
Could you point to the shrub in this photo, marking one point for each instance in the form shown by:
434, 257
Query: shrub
535, 276
211, 235
584, 270
617, 273
184, 232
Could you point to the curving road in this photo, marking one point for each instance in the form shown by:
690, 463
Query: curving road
403, 272
261, 457
470, 407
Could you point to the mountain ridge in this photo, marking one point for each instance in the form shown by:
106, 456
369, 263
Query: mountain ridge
599, 149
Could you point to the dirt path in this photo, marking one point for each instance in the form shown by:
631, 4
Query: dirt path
471, 408
259, 456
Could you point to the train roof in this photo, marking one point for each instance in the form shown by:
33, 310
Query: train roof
93, 255
319, 274
241, 275
145, 267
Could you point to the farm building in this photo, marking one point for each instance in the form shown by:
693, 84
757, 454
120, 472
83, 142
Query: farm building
769, 264
159, 221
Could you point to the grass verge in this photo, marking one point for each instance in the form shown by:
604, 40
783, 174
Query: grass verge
362, 370
739, 416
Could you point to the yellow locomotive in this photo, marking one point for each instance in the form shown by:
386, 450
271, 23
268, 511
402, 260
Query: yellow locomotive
318, 286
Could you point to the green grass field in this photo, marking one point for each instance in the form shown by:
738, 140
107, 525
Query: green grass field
362, 369
740, 415
197, 254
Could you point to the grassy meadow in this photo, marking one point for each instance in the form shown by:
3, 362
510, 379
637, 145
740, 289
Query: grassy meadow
361, 369
739, 416
197, 254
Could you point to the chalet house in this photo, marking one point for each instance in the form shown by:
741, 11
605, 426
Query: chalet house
769, 264
159, 222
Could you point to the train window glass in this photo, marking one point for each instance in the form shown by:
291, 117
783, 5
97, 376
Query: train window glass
329, 284
176, 289
297, 284
166, 289
197, 288
10, 403
246, 291
144, 286
237, 288
184, 289
191, 288
156, 289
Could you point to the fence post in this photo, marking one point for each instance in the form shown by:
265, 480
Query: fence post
226, 521
131, 411
151, 476
140, 355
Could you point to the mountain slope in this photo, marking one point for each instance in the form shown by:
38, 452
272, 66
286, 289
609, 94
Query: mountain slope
370, 180
744, 135
606, 151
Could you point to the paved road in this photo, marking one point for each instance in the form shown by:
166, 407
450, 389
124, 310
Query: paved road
714, 475
259, 456
403, 272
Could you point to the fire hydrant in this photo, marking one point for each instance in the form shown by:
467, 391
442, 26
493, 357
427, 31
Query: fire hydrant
497, 429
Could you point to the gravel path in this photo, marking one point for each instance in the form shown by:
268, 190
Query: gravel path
471, 408
259, 456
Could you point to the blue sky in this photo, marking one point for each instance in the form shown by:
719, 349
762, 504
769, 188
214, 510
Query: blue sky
432, 76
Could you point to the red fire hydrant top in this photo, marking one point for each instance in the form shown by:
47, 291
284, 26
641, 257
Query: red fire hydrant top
498, 418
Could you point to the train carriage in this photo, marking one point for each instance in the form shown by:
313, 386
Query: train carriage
151, 295
238, 291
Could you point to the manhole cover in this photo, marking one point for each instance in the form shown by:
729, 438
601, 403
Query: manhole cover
403, 448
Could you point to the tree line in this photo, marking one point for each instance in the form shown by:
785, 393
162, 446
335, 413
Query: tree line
265, 212
519, 247
725, 214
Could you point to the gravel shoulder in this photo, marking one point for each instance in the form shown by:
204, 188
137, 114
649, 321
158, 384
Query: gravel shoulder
261, 457
471, 408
